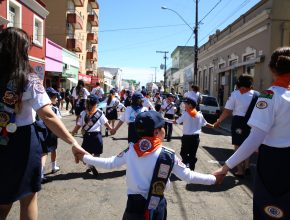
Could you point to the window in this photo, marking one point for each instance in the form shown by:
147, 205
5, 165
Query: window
37, 31
14, 12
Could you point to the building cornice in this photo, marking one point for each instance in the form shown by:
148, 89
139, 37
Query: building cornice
36, 7
37, 60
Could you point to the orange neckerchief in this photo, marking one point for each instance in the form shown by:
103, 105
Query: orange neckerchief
244, 90
283, 81
147, 145
192, 113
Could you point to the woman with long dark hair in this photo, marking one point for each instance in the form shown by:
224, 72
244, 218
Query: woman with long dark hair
22, 95
80, 94
270, 125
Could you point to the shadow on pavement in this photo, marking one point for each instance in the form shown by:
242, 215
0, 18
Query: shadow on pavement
229, 182
214, 131
84, 175
117, 139
221, 155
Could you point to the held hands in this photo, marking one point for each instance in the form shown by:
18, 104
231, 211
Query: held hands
112, 131
78, 152
220, 174
217, 124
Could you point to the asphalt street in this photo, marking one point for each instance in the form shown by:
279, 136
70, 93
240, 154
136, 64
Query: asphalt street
74, 194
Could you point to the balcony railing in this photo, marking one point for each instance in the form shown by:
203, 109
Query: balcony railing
74, 18
92, 38
92, 55
74, 45
93, 19
94, 4
78, 3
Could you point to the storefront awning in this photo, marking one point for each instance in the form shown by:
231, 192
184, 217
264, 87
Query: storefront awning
73, 80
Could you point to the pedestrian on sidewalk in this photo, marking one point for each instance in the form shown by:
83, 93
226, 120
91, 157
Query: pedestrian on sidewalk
21, 95
192, 122
149, 165
91, 121
240, 104
130, 115
270, 125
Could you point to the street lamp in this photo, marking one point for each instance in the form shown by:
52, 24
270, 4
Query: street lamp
195, 31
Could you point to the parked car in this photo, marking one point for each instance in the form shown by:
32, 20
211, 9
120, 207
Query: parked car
210, 107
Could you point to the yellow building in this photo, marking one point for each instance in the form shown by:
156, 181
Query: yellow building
73, 24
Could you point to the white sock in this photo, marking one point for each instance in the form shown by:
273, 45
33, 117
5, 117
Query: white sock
42, 172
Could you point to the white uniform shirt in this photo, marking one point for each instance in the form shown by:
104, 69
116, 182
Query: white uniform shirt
239, 103
191, 125
85, 95
140, 170
97, 126
33, 99
130, 114
114, 102
193, 95
169, 110
98, 91
272, 116
147, 103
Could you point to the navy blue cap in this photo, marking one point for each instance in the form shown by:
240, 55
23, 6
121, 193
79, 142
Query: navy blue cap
137, 95
93, 99
146, 122
190, 101
51, 91
112, 91
170, 95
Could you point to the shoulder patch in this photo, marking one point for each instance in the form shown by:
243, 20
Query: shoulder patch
262, 104
267, 94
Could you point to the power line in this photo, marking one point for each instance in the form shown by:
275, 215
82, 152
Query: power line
233, 13
210, 10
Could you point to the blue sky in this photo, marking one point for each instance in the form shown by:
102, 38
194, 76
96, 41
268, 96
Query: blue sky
131, 31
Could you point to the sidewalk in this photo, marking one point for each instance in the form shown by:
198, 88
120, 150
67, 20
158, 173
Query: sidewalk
64, 113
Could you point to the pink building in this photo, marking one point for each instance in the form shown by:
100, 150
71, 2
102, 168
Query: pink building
53, 64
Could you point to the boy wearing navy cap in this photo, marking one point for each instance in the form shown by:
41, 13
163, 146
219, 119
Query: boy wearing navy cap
49, 141
192, 123
149, 165
91, 121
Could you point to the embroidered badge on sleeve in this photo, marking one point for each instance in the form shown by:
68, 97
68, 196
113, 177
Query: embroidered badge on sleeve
267, 94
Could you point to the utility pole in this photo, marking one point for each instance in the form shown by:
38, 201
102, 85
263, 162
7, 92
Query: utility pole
196, 43
165, 58
155, 68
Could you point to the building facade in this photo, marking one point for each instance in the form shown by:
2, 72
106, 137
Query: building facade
30, 16
73, 24
244, 46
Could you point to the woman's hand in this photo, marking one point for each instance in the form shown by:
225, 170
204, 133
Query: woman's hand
78, 152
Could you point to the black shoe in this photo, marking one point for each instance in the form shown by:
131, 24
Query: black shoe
45, 180
94, 170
